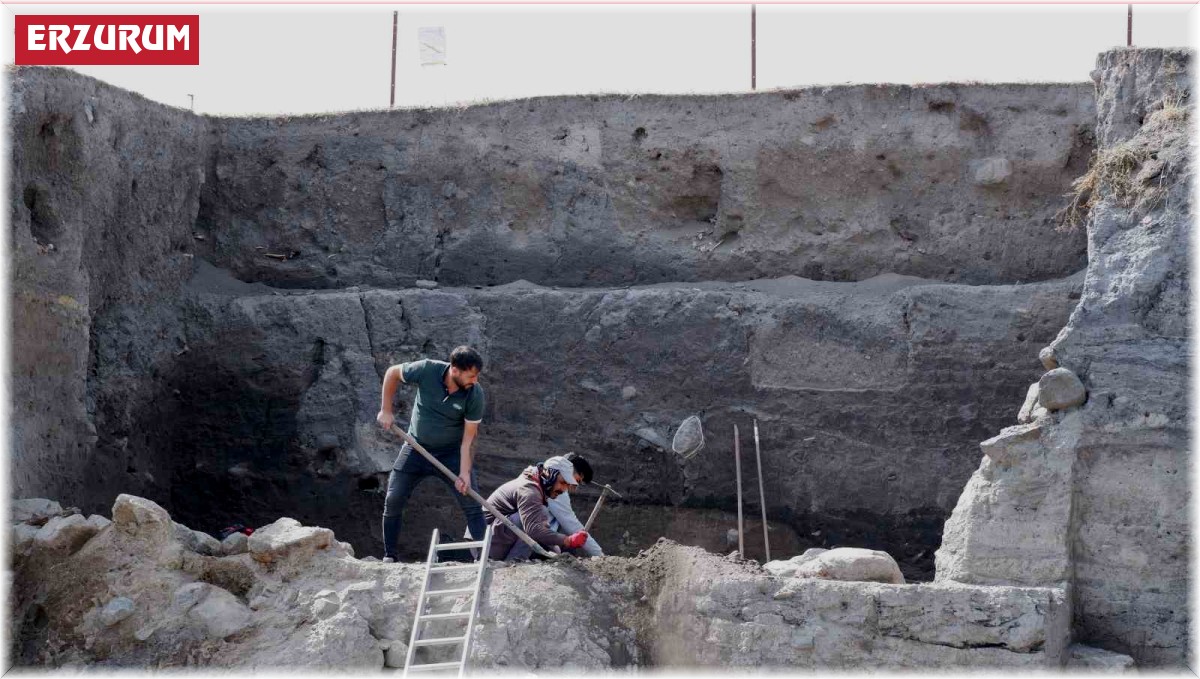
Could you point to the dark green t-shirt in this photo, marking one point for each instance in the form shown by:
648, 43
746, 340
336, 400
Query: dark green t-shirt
437, 415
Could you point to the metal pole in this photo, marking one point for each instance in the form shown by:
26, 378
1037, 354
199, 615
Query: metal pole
762, 497
395, 25
753, 47
192, 100
737, 457
1129, 28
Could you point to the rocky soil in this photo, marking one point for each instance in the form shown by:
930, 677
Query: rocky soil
130, 593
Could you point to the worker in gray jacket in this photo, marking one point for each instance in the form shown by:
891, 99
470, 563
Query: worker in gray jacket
523, 500
562, 516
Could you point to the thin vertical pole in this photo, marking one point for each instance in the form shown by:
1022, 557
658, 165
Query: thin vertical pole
762, 497
395, 28
737, 458
1129, 28
753, 47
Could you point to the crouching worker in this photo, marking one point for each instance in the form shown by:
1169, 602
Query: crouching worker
562, 516
523, 500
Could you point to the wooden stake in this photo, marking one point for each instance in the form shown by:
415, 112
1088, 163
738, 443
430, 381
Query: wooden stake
762, 497
737, 458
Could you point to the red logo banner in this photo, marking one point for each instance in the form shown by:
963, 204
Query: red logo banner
107, 40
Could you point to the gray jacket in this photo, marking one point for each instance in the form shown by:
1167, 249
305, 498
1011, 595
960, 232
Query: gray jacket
523, 495
561, 511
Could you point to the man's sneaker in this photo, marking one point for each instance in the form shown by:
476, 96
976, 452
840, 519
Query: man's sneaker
388, 559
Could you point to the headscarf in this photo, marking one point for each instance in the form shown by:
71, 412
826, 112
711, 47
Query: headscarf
550, 471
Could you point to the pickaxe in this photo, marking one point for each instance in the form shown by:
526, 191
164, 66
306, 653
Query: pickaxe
587, 528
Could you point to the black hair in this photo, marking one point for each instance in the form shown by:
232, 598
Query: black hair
581, 466
465, 358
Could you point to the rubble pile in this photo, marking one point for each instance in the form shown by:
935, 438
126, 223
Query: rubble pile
134, 592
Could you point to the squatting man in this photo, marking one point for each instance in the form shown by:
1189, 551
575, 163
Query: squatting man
526, 501
446, 413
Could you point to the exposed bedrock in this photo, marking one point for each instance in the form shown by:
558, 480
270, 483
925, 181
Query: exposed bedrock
870, 397
104, 189
947, 182
1097, 496
131, 595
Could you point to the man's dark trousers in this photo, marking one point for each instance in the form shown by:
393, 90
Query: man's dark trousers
409, 469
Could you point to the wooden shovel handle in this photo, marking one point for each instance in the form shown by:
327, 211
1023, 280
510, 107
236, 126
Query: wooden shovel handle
474, 496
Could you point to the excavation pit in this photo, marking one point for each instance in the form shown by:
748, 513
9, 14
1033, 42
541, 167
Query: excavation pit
235, 321
207, 306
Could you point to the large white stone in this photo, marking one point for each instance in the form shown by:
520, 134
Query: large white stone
852, 564
197, 541
396, 654
34, 509
218, 612
287, 539
1048, 358
787, 568
1059, 389
64, 533
142, 518
1010, 526
99, 522
992, 171
235, 543
1098, 660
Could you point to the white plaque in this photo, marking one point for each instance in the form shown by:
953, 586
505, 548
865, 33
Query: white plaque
433, 45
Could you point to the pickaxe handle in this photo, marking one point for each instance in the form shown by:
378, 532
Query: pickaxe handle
524, 537
587, 528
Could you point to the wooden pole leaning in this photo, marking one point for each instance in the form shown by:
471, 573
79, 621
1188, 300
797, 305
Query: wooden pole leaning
737, 460
762, 497
522, 535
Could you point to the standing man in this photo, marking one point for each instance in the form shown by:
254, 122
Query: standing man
446, 413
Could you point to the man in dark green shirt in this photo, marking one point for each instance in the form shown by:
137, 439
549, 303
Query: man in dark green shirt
446, 413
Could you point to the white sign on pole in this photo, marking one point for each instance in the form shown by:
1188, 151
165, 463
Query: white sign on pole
433, 45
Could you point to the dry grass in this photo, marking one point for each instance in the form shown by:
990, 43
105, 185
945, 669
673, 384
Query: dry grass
1111, 170
1174, 110
1120, 173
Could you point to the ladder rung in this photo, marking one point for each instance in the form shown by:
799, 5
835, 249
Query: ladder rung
443, 569
459, 545
442, 616
464, 590
444, 641
434, 666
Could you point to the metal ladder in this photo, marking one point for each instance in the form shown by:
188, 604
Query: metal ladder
431, 569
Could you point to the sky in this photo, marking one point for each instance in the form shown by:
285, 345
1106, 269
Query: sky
278, 59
